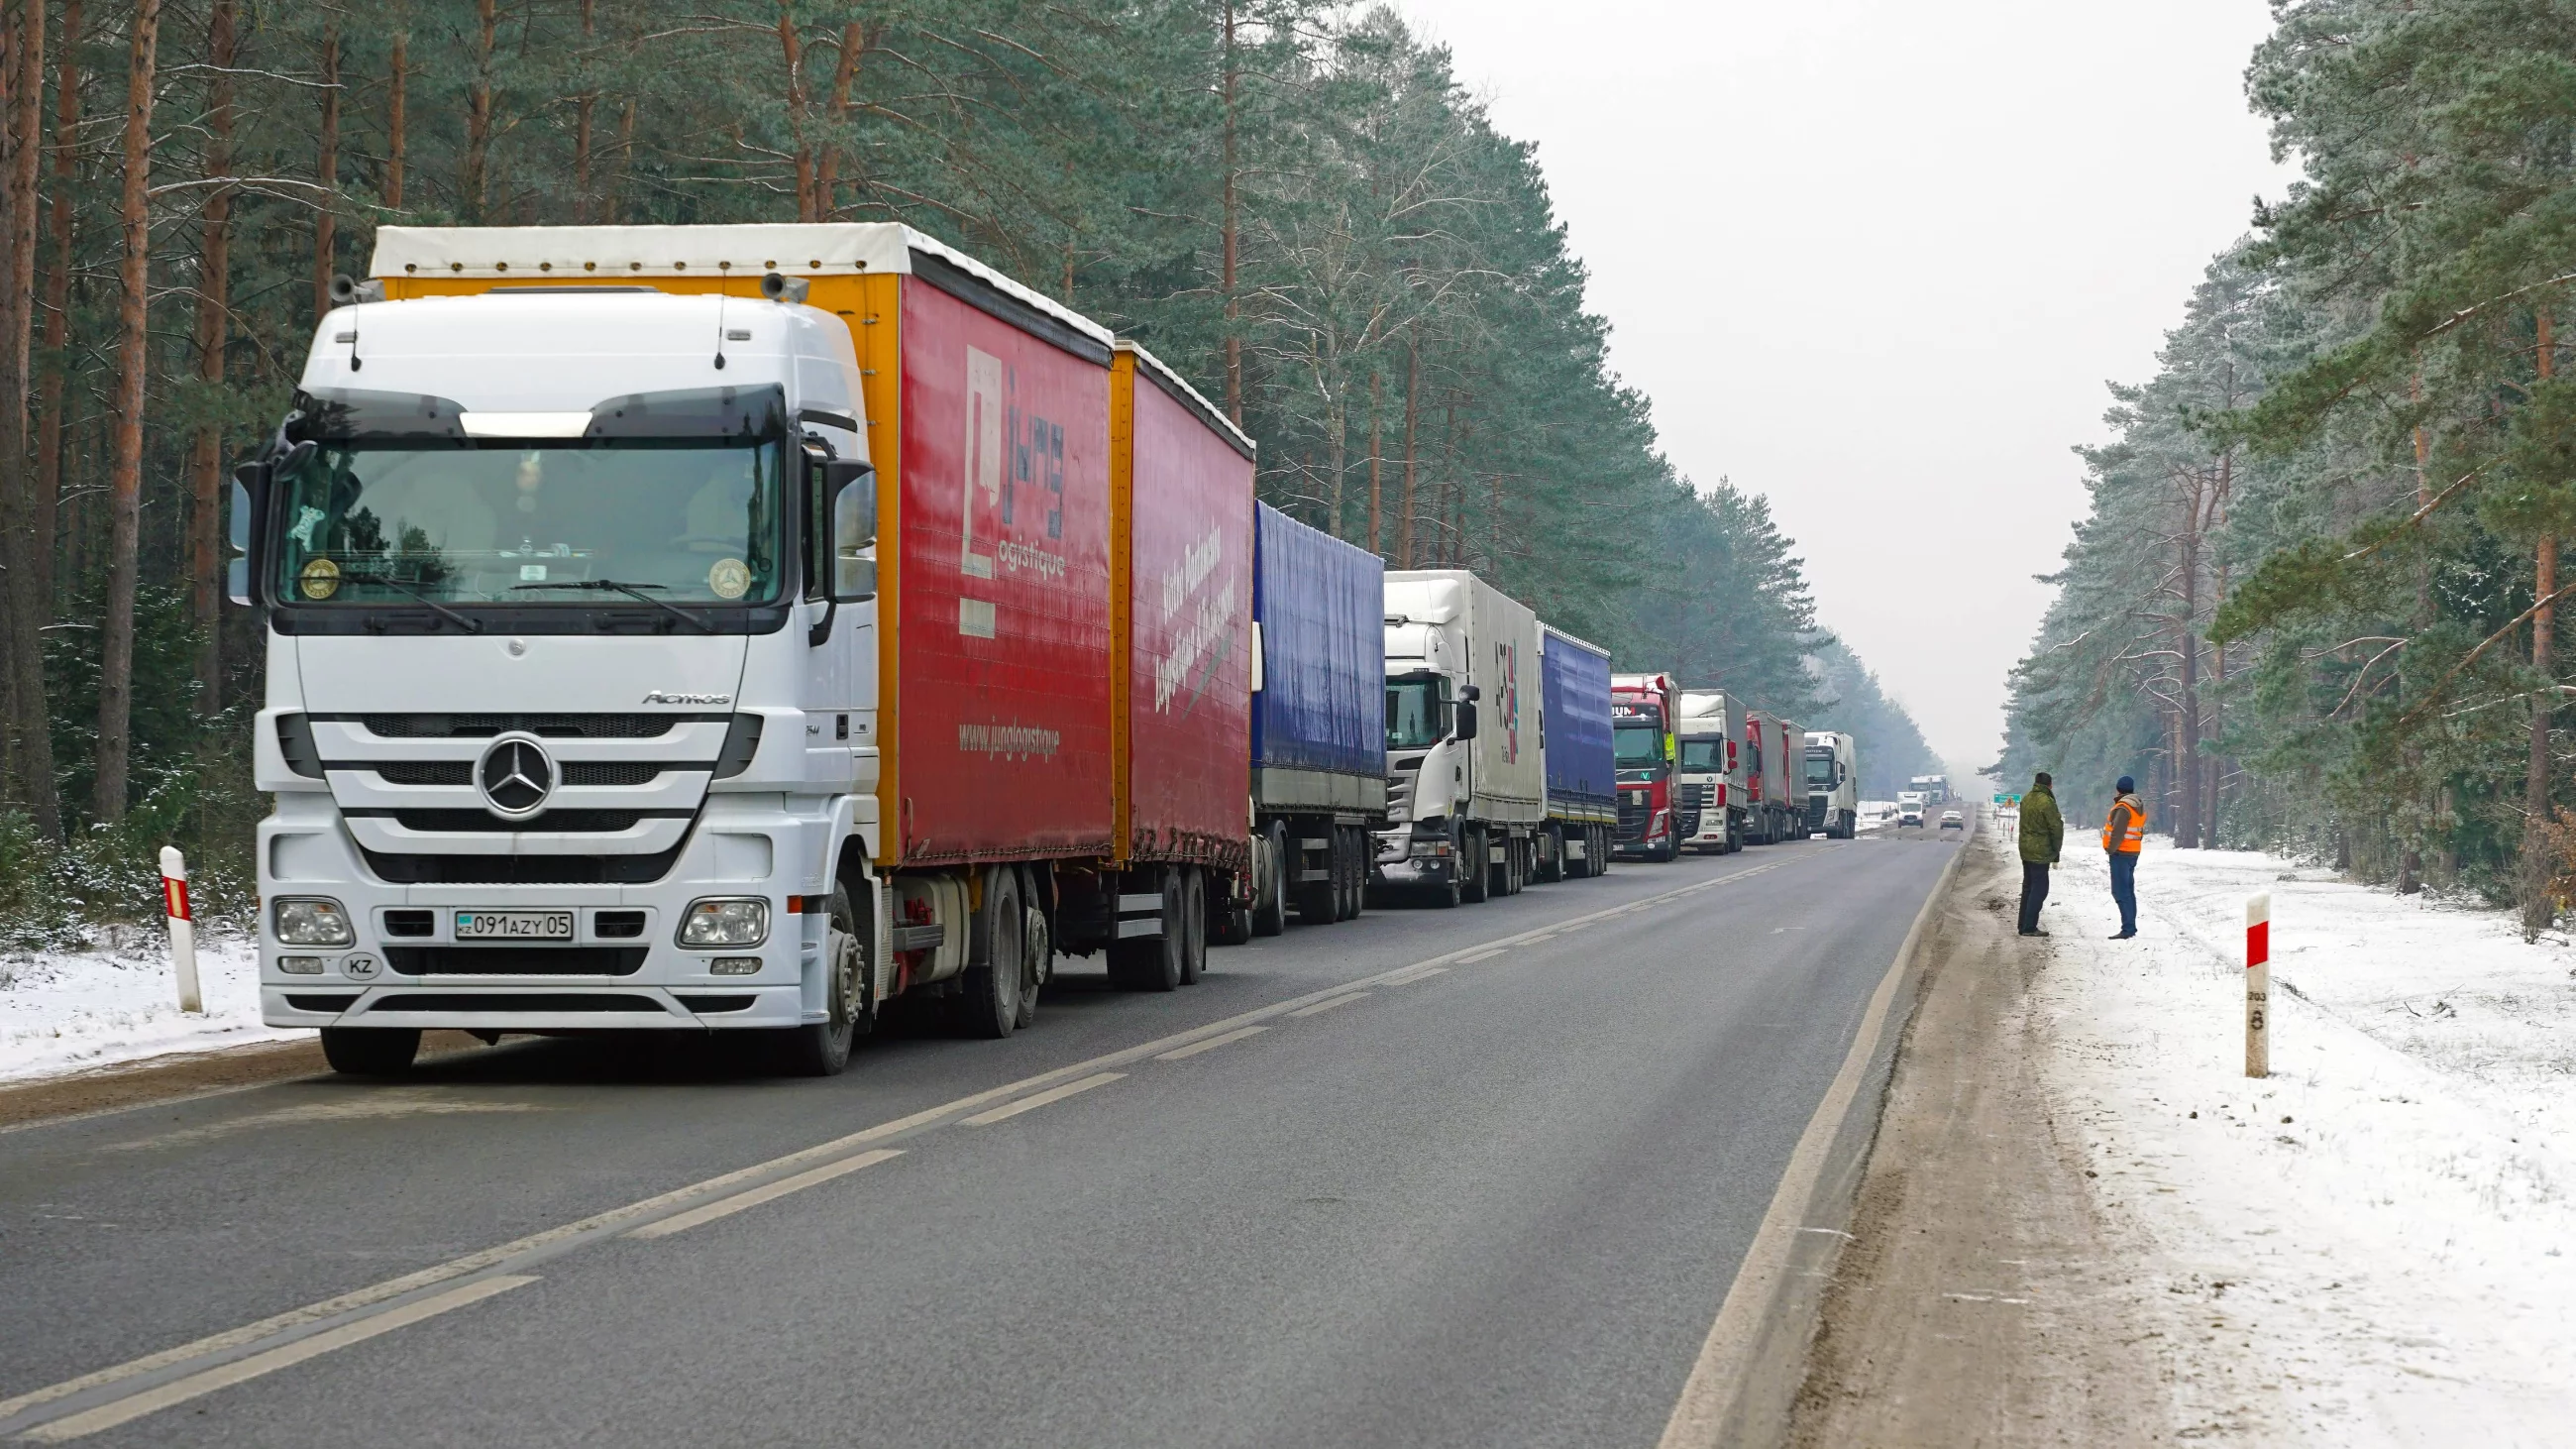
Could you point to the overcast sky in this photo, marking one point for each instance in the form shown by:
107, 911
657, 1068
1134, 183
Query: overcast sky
1875, 259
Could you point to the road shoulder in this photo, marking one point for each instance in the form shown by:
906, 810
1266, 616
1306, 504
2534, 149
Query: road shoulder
1982, 1296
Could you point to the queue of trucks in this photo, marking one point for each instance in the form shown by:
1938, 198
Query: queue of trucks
744, 628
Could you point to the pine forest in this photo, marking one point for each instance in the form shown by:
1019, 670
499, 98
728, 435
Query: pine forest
2317, 604
1293, 202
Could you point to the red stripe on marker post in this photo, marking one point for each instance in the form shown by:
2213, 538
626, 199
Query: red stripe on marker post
2258, 985
183, 930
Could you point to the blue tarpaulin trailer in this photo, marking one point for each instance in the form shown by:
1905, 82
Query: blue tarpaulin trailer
1574, 722
1318, 720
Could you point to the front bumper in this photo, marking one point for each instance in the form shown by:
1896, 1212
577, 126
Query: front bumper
621, 975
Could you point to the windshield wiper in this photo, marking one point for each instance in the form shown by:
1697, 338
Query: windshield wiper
469, 625
632, 591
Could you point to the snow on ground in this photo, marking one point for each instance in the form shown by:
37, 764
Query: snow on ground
66, 1011
2376, 1244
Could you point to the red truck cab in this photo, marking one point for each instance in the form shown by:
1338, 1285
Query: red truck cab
1643, 708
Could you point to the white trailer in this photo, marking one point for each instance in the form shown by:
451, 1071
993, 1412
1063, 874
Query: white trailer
1468, 788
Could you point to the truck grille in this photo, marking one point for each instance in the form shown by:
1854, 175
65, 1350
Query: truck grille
568, 822
550, 726
515, 960
400, 868
525, 1001
575, 772
1633, 819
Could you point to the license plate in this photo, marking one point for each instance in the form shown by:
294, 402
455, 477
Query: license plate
514, 925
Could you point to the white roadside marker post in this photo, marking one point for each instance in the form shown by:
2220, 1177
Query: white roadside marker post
2258, 985
183, 929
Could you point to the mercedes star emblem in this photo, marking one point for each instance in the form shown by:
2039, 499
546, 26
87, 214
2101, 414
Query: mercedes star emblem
516, 776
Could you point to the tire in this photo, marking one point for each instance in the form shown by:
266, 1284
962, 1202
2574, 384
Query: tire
1516, 864
822, 1048
1229, 921
1319, 903
988, 1006
1473, 875
370, 1051
1551, 861
1194, 922
1153, 963
1270, 902
1363, 860
1344, 887
1038, 945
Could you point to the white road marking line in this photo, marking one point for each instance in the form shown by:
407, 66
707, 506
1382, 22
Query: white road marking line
1407, 978
1481, 956
770, 1192
564, 1236
1211, 1044
179, 1391
1052, 1094
1344, 1000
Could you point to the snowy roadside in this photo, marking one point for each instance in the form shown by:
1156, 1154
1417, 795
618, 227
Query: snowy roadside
2377, 1244
70, 1011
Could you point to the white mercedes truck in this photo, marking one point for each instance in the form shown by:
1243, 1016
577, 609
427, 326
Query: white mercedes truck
1466, 793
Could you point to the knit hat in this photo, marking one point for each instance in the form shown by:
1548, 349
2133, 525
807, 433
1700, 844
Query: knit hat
2126, 786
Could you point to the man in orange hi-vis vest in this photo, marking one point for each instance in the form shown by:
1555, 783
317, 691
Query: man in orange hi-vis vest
2122, 833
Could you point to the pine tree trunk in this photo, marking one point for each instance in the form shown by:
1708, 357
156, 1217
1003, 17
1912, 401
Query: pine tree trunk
1377, 476
2537, 909
581, 109
326, 171
397, 128
58, 287
1229, 238
1412, 421
24, 720
214, 285
792, 49
855, 41
473, 176
125, 450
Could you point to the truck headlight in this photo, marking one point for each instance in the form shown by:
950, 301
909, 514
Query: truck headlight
300, 965
723, 921
311, 921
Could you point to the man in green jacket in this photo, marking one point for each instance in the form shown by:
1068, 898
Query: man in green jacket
2043, 832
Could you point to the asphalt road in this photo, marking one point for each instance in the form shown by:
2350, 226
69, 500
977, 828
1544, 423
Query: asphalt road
1493, 1203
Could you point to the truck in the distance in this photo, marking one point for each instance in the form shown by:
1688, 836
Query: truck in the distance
1465, 789
746, 627
1575, 743
1772, 778
1833, 784
1710, 773
1318, 722
1644, 708
1935, 789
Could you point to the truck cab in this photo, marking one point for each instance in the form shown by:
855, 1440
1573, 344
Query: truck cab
1833, 784
1644, 710
1466, 793
1709, 776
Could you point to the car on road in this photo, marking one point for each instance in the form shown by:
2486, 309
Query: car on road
1908, 813
1951, 820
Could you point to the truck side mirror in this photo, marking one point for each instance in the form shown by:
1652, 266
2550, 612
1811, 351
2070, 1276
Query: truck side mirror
1470, 693
250, 483
1466, 729
852, 487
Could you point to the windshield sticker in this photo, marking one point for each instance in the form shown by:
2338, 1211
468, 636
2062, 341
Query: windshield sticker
729, 579
320, 579
532, 573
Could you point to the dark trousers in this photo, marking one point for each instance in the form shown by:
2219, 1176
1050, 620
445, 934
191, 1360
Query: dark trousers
2034, 892
2124, 888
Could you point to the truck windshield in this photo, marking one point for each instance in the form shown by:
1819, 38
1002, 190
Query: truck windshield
695, 521
1820, 768
1417, 711
1639, 747
1704, 757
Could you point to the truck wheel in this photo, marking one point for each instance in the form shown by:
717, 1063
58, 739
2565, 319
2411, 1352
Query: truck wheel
1475, 873
1194, 933
1153, 963
1270, 902
1229, 920
1551, 865
822, 1048
370, 1051
1516, 856
1037, 946
989, 1005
